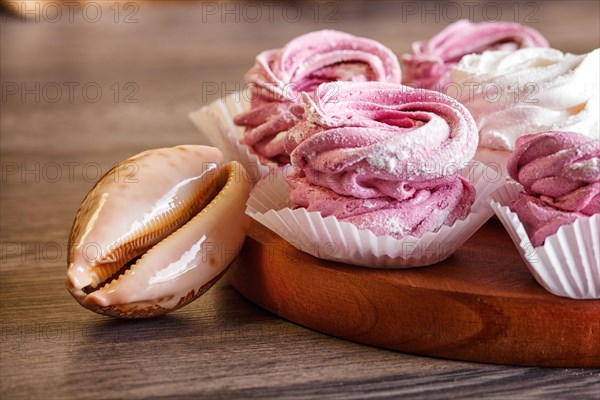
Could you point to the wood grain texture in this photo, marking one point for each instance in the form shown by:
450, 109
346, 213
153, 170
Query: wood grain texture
481, 304
220, 346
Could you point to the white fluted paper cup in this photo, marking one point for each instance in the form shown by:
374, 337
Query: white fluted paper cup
331, 239
215, 122
568, 264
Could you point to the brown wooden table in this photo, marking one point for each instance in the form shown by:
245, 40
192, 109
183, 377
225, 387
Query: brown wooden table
81, 91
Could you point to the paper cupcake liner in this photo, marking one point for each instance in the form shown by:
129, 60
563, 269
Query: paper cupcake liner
568, 264
215, 122
331, 239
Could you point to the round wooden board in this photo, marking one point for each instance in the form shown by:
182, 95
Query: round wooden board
480, 305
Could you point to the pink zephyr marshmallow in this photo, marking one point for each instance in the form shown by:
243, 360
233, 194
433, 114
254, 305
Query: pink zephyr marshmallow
382, 156
560, 175
430, 63
281, 75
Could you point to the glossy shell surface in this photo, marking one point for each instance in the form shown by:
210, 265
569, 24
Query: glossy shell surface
157, 231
